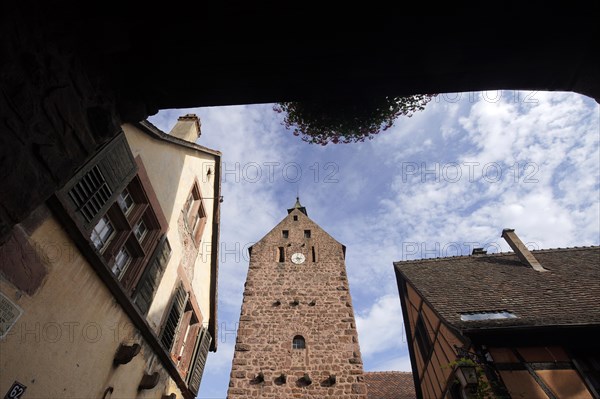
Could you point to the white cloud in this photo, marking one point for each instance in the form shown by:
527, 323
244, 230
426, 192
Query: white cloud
380, 212
380, 328
219, 362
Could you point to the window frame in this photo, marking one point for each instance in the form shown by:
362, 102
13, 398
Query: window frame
298, 342
194, 213
123, 269
141, 249
93, 192
121, 200
422, 337
104, 241
187, 345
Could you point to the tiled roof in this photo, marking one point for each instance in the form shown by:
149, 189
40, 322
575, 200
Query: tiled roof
390, 385
566, 295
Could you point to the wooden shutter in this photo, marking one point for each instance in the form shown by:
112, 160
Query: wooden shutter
95, 187
194, 378
148, 284
190, 346
171, 326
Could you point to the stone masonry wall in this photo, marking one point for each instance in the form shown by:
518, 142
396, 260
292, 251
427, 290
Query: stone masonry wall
282, 300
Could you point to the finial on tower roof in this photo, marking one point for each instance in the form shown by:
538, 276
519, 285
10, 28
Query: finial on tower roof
298, 206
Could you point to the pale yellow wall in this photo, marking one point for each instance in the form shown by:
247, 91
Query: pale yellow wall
64, 343
172, 169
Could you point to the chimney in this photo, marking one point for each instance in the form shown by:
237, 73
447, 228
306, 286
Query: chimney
187, 128
525, 256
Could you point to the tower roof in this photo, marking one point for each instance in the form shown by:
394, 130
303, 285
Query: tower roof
298, 206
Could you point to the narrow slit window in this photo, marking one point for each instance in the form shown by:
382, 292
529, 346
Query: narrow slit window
306, 233
281, 254
286, 233
298, 342
314, 254
422, 337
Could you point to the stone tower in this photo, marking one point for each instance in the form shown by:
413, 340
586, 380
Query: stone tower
297, 335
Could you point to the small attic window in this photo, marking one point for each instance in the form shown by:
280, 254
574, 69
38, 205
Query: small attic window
295, 218
491, 315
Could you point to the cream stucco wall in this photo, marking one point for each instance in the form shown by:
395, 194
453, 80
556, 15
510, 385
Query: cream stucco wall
64, 343
172, 170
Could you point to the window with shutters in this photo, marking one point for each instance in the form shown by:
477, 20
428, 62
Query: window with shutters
109, 204
170, 328
146, 288
195, 214
127, 235
184, 337
194, 376
90, 193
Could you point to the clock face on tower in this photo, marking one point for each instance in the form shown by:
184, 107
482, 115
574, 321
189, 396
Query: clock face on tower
298, 258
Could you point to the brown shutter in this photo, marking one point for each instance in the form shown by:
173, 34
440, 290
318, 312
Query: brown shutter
171, 325
95, 187
184, 322
148, 284
199, 230
190, 346
195, 376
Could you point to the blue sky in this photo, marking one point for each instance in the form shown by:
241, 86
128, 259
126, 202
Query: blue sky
438, 184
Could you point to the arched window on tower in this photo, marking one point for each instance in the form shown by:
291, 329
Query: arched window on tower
298, 342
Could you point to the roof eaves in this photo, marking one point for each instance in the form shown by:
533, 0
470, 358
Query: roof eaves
151, 130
